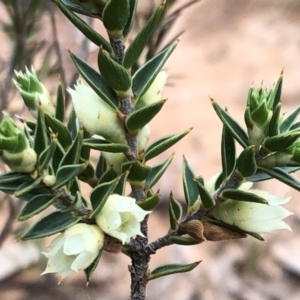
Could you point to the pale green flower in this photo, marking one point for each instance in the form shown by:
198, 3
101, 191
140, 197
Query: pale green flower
121, 218
74, 250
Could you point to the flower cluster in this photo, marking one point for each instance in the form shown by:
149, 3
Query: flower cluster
77, 247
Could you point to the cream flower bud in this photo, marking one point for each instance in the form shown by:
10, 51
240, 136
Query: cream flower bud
254, 217
120, 217
14, 147
95, 114
49, 180
154, 93
34, 93
74, 250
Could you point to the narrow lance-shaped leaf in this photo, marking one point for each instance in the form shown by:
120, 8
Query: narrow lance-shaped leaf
105, 146
163, 144
51, 224
121, 186
46, 156
172, 269
137, 46
157, 172
175, 212
79, 9
25, 188
246, 162
12, 176
234, 128
144, 77
67, 173
40, 135
63, 134
139, 118
36, 205
183, 240
277, 90
138, 172
190, 188
87, 31
289, 120
239, 195
131, 18
101, 166
228, 153
275, 120
100, 194
60, 103
206, 199
115, 75
282, 141
109, 175
96, 82
151, 202
92, 267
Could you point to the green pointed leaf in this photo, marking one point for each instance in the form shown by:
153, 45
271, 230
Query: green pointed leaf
207, 200
101, 166
103, 145
275, 120
40, 134
51, 224
71, 125
150, 203
175, 212
277, 91
172, 269
121, 186
92, 267
157, 172
63, 134
281, 175
144, 77
246, 162
232, 126
60, 104
10, 187
36, 205
66, 174
184, 241
281, 141
137, 46
12, 176
239, 195
100, 194
115, 16
228, 153
139, 118
109, 175
190, 188
47, 155
131, 18
72, 155
163, 144
87, 31
289, 120
138, 172
25, 188
57, 157
115, 75
96, 82
79, 9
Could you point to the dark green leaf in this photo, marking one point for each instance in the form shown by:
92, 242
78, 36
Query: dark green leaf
144, 77
138, 172
121, 186
190, 188
275, 120
228, 153
163, 144
206, 199
100, 194
175, 212
12, 176
157, 172
172, 269
87, 31
103, 145
51, 224
109, 175
66, 174
63, 134
25, 188
101, 166
281, 141
79, 9
60, 104
289, 120
91, 268
137, 46
239, 195
246, 162
150, 203
277, 91
184, 241
36, 205
139, 118
40, 134
47, 155
233, 127
96, 82
131, 18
